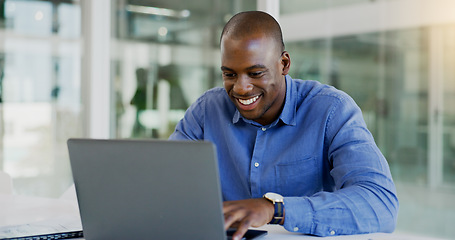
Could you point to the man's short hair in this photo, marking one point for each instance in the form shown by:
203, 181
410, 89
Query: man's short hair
249, 22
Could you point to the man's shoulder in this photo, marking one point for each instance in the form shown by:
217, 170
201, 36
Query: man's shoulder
309, 89
214, 98
216, 94
216, 91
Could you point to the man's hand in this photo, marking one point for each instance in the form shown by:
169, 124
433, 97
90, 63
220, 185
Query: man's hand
247, 213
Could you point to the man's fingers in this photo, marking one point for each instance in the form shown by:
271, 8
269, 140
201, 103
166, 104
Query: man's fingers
242, 229
232, 218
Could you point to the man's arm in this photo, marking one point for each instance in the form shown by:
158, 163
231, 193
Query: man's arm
364, 199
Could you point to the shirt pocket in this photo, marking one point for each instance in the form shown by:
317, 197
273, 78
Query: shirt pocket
298, 178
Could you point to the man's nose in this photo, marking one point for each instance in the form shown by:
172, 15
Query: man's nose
243, 85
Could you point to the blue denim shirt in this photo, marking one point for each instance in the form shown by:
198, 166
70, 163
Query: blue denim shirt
318, 154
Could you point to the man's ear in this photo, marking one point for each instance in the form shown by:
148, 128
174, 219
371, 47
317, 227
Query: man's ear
286, 62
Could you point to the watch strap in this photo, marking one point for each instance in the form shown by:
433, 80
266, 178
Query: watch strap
278, 215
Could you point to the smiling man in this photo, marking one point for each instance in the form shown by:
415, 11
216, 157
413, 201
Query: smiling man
290, 152
254, 66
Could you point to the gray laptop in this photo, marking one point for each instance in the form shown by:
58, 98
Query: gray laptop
147, 189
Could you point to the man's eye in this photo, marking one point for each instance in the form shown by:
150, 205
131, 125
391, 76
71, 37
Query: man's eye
256, 74
229, 75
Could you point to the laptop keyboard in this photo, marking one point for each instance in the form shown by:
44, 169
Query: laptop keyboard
64, 235
79, 234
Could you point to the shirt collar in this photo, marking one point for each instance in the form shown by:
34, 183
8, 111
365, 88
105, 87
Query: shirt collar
287, 115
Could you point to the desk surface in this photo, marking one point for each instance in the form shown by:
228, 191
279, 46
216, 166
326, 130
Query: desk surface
23, 214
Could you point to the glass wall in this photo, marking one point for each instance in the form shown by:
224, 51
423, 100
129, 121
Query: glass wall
387, 75
402, 77
448, 112
39, 93
166, 54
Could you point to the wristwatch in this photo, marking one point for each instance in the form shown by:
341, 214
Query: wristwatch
278, 202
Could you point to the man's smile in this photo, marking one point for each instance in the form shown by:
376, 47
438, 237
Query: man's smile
248, 101
248, 104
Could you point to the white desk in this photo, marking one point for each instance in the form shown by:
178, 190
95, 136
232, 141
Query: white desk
24, 213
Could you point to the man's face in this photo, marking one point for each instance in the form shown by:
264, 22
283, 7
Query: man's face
254, 69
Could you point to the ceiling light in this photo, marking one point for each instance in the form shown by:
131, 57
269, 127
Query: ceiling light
39, 16
162, 31
158, 11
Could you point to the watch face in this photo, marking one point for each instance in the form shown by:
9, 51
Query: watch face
274, 196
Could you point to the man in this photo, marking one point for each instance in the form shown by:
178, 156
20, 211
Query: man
291, 152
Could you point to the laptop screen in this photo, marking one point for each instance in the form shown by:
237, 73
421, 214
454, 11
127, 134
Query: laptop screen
142, 188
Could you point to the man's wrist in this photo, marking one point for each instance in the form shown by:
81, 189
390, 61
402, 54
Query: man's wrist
278, 203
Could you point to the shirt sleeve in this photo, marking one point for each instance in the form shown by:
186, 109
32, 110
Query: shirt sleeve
191, 126
365, 198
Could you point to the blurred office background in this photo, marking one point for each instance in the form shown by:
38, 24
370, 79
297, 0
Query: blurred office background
130, 68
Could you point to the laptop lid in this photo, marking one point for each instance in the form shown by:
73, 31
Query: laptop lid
147, 189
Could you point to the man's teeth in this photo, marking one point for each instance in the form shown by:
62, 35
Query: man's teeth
248, 101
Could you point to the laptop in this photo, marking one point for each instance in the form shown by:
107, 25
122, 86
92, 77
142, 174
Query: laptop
148, 189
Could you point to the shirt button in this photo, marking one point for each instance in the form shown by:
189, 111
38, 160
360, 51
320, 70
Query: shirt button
296, 229
263, 129
256, 164
332, 232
